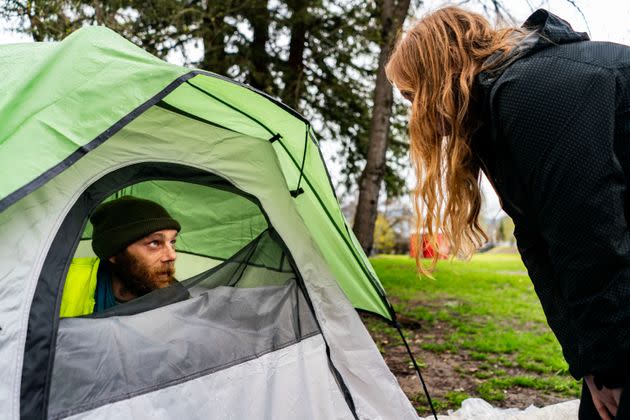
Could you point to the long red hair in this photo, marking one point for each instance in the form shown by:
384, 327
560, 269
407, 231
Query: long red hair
434, 65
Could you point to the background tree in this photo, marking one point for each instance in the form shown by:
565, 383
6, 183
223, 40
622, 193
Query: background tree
507, 230
324, 58
384, 236
392, 17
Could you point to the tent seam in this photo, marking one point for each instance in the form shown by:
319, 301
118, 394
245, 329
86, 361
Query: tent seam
71, 159
380, 291
265, 95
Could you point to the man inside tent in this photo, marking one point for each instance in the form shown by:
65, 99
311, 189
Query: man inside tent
134, 241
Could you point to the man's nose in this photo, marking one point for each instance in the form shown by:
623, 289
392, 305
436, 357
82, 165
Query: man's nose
169, 253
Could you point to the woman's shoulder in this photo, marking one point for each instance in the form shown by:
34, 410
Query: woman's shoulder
598, 54
560, 79
541, 96
568, 66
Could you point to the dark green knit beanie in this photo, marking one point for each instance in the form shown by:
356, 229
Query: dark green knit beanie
123, 221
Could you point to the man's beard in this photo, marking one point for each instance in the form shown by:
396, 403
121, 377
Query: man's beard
139, 279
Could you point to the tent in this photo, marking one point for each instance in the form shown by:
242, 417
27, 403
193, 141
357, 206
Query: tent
274, 273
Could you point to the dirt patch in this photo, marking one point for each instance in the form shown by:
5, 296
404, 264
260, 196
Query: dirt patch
450, 373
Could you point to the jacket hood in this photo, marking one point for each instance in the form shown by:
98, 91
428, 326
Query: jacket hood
545, 30
551, 30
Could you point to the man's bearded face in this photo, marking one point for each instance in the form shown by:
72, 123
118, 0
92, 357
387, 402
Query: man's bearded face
148, 263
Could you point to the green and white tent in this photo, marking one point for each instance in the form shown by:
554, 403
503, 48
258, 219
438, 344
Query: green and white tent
274, 273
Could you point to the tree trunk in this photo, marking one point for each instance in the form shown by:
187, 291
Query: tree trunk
393, 15
214, 35
259, 71
293, 76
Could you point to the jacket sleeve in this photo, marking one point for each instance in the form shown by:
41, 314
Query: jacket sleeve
558, 117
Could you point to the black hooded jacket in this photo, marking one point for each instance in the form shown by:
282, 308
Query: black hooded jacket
555, 143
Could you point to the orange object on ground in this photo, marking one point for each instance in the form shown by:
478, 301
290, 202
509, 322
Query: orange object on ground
427, 249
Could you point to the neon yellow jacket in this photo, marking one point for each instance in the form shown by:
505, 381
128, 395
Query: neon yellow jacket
78, 293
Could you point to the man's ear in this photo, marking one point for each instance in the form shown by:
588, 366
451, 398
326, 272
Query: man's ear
112, 259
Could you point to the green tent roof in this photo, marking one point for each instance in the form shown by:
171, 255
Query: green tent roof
61, 100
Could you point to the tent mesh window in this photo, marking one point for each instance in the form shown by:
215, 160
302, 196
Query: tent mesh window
240, 298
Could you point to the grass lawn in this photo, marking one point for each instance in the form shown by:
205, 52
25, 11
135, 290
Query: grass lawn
477, 330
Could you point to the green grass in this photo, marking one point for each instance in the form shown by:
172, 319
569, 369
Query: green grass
456, 397
487, 308
493, 388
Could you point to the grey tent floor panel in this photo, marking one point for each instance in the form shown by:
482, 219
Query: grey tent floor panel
291, 383
99, 361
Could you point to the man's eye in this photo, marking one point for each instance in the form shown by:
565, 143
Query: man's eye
154, 244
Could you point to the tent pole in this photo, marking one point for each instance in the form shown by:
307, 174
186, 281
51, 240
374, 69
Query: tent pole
415, 365
299, 190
